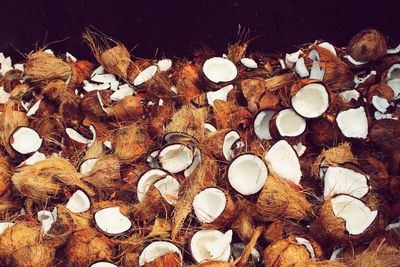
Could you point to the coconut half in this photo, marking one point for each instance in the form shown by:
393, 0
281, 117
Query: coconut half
247, 174
208, 245
103, 264
147, 179
339, 180
307, 244
209, 204
87, 165
152, 159
221, 94
77, 137
282, 159
157, 249
249, 63
209, 128
353, 122
289, 123
229, 140
25, 140
357, 215
145, 75
218, 69
175, 157
36, 157
111, 221
196, 162
311, 101
78, 202
261, 124
169, 188
47, 218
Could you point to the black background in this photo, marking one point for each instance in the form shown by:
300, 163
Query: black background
173, 28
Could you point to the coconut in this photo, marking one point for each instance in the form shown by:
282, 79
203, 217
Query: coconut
368, 44
129, 108
161, 253
211, 245
112, 55
392, 79
282, 229
261, 124
230, 115
221, 143
145, 75
243, 225
103, 264
25, 140
42, 67
252, 89
47, 178
131, 143
353, 123
87, 246
175, 157
279, 199
187, 82
11, 79
111, 221
81, 71
287, 123
219, 70
247, 174
283, 160
311, 101
213, 206
78, 202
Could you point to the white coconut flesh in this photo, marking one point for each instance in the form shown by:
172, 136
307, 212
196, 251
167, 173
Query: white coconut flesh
47, 218
311, 101
145, 75
291, 59
289, 123
77, 137
317, 73
157, 249
354, 212
328, 46
103, 78
393, 79
282, 159
247, 174
208, 245
209, 204
349, 95
307, 244
121, 93
87, 165
4, 96
175, 157
169, 188
176, 137
78, 202
261, 124
152, 159
355, 62
25, 140
353, 122
301, 68
384, 116
4, 226
112, 221
218, 69
229, 140
147, 179
35, 158
103, 264
221, 94
249, 63
381, 104
196, 162
209, 128
34, 108
339, 180
164, 64
300, 149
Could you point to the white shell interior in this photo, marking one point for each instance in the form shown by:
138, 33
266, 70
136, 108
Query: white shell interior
220, 94
249, 63
209, 204
74, 135
353, 122
211, 245
164, 64
145, 75
78, 202
169, 188
282, 159
175, 157
103, 264
145, 181
4, 226
229, 139
87, 166
247, 174
311, 101
218, 69
307, 244
393, 79
47, 218
112, 221
380, 103
196, 162
289, 123
357, 215
26, 140
261, 124
157, 249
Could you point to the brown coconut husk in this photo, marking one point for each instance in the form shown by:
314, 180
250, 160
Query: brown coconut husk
5, 174
243, 259
158, 119
131, 143
187, 81
325, 263
11, 79
204, 176
285, 252
20, 245
9, 207
95, 150
160, 87
188, 120
51, 129
269, 100
11, 119
376, 171
47, 178
41, 67
281, 229
81, 70
278, 82
333, 157
161, 228
237, 50
381, 90
368, 44
87, 246
129, 108
279, 199
170, 259
105, 176
324, 133
112, 55
213, 263
213, 143
136, 67
243, 224
230, 115
90, 104
252, 90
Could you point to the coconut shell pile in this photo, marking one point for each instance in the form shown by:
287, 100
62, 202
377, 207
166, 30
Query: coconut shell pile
240, 159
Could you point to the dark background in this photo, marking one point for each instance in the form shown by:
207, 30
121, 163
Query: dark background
173, 28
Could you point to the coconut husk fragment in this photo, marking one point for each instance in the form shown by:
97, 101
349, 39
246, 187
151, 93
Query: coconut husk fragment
41, 67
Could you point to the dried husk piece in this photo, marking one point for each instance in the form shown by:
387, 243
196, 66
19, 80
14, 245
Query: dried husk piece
243, 259
230, 115
187, 80
169, 259
5, 174
42, 67
128, 109
243, 224
282, 229
81, 70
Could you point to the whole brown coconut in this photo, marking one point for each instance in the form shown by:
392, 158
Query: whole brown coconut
368, 44
42, 66
87, 246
